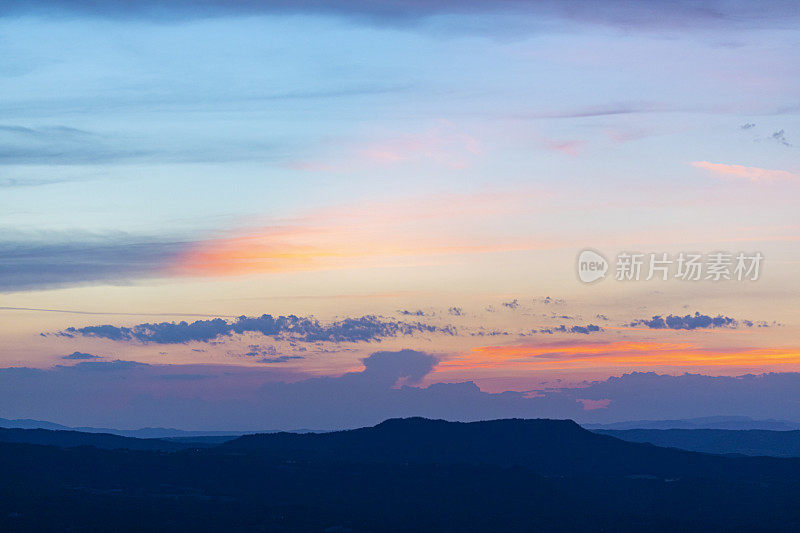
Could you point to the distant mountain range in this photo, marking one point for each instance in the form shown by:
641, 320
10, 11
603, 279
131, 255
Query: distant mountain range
142, 433
69, 439
709, 422
719, 441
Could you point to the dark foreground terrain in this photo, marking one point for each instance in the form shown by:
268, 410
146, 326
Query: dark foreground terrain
402, 475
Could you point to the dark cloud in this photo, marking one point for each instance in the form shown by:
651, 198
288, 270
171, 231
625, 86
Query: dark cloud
406, 312
513, 304
644, 14
186, 377
389, 367
780, 138
584, 330
32, 262
108, 366
490, 333
81, 355
269, 354
696, 321
747, 126
280, 359
258, 350
547, 300
455, 311
369, 328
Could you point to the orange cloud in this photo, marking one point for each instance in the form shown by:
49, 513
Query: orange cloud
375, 234
264, 253
754, 174
629, 354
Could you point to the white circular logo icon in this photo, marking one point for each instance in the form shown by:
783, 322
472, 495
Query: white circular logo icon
591, 266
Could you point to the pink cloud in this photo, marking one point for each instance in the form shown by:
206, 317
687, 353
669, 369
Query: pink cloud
754, 174
591, 405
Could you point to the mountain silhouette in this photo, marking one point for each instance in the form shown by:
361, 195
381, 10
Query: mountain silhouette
549, 447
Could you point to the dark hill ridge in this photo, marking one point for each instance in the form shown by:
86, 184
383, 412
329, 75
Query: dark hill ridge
550, 447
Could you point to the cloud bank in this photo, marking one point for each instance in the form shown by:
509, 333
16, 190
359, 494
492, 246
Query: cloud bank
129, 394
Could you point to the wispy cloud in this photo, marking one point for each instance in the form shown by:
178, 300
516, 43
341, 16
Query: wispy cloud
645, 15
64, 145
753, 174
570, 147
107, 313
21, 145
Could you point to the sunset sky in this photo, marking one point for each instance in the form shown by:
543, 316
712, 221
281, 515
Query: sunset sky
402, 176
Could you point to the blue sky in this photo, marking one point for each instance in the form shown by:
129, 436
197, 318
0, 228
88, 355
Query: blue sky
357, 159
